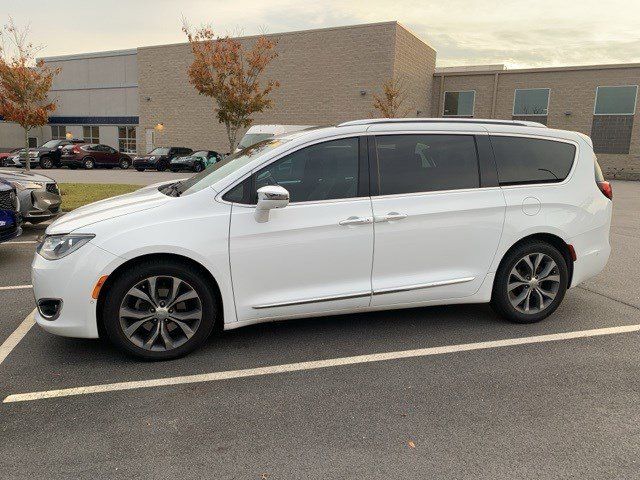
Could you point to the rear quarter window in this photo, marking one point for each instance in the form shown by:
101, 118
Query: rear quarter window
523, 160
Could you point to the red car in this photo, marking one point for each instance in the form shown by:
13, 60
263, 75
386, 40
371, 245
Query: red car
89, 156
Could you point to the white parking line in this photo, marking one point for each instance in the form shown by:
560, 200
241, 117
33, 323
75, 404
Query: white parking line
334, 362
18, 334
16, 287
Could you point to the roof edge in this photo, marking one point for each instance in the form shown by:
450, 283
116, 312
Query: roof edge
607, 66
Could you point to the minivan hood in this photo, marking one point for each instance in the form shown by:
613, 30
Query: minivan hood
137, 201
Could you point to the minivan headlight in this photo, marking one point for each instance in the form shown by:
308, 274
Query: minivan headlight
54, 247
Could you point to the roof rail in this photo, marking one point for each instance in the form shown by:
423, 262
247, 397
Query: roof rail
377, 121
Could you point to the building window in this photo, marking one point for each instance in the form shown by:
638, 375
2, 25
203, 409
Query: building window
58, 132
91, 134
616, 100
127, 139
459, 104
531, 102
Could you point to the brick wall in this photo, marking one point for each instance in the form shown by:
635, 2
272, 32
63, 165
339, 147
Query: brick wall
571, 101
322, 73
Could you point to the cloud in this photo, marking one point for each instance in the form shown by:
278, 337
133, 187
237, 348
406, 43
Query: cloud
517, 33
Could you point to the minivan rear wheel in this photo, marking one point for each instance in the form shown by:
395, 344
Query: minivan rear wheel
530, 282
159, 310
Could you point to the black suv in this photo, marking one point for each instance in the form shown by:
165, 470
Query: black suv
48, 155
159, 158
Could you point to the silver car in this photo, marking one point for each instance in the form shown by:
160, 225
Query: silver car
38, 196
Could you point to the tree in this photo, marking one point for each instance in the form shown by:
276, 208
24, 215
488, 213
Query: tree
24, 83
393, 97
226, 71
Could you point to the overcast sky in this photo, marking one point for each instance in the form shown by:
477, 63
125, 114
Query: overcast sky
464, 32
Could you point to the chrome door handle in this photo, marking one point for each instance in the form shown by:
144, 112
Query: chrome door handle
356, 221
391, 217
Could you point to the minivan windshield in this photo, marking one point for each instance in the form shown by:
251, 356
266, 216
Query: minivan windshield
221, 169
253, 138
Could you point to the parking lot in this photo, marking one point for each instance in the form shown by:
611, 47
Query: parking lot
130, 176
458, 394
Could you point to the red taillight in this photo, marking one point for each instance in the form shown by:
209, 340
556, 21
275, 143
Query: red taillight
606, 189
76, 149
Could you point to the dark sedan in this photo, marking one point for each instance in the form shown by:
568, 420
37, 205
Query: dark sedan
159, 158
195, 162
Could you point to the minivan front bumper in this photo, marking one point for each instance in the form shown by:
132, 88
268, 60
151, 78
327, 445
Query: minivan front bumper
70, 280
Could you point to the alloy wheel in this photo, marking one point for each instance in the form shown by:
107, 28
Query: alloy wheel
533, 283
160, 313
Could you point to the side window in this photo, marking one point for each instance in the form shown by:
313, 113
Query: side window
531, 160
323, 171
426, 163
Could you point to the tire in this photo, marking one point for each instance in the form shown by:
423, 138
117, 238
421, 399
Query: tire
88, 163
175, 170
124, 163
514, 283
139, 169
157, 329
161, 166
46, 163
198, 167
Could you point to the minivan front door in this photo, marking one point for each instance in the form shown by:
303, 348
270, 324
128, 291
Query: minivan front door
315, 255
436, 231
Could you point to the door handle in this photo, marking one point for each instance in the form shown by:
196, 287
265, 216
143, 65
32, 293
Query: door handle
356, 221
391, 217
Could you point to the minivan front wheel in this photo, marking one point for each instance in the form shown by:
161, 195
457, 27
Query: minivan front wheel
530, 283
159, 310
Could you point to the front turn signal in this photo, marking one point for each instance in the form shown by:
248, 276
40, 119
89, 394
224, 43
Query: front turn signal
98, 287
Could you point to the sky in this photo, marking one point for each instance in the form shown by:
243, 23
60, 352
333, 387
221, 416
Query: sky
463, 32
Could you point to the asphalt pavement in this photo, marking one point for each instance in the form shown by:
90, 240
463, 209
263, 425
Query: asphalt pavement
566, 408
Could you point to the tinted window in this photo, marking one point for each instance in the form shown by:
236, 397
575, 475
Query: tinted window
531, 101
426, 163
459, 104
530, 160
324, 171
616, 100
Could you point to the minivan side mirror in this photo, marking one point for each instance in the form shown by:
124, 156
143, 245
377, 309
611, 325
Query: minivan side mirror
269, 197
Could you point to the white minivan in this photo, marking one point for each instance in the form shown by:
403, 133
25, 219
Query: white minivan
366, 215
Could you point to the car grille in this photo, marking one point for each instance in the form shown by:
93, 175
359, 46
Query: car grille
8, 201
53, 188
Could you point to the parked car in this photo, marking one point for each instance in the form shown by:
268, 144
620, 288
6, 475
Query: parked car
4, 157
159, 158
46, 156
39, 197
196, 162
258, 133
89, 156
507, 212
9, 216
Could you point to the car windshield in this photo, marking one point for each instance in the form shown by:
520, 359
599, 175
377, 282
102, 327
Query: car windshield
51, 144
219, 170
199, 154
159, 151
252, 138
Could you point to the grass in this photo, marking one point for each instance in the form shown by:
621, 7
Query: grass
76, 195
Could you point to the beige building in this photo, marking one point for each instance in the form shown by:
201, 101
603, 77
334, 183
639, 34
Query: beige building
327, 76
